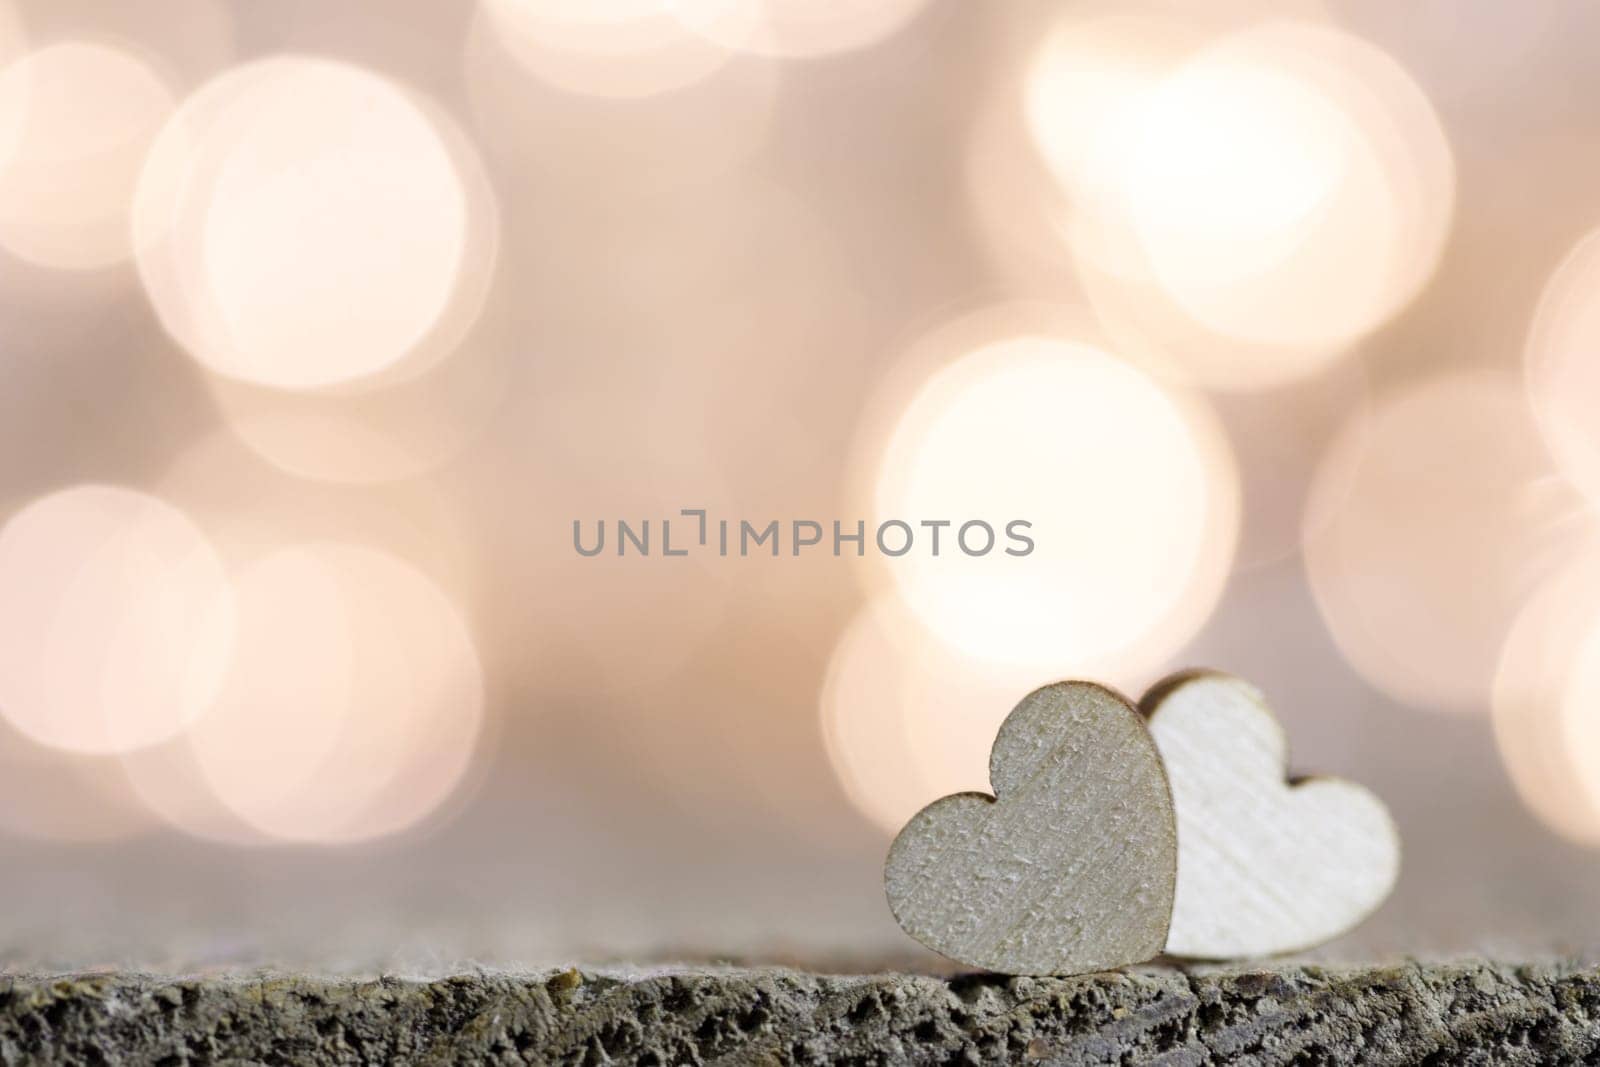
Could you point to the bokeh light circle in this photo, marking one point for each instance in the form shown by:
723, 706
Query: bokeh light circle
1580, 721
167, 783
251, 509
1290, 185
1279, 438
595, 150
47, 794
1563, 376
352, 704
1545, 711
617, 48
1286, 187
115, 620
301, 223
797, 28
1081, 103
419, 412
1429, 521
906, 718
77, 118
1130, 489
377, 435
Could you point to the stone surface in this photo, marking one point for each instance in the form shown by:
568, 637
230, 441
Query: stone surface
1457, 1013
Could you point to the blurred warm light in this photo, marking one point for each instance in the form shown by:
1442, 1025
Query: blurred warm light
193, 38
83, 115
352, 704
168, 784
713, 413
13, 39
1132, 493
1045, 159
1580, 718
250, 509
1279, 437
302, 223
1427, 525
490, 267
115, 620
1049, 183
907, 719
796, 28
51, 795
1021, 214
1291, 185
1083, 101
1545, 706
1563, 376
1287, 186
602, 148
376, 435
419, 413
1490, 44
606, 48
866, 732
1150, 328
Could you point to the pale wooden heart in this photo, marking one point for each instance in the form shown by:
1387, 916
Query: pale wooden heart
1264, 866
1069, 868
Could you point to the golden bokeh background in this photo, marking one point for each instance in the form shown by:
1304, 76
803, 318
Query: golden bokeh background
323, 326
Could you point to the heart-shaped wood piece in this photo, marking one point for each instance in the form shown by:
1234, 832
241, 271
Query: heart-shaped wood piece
1265, 865
1070, 867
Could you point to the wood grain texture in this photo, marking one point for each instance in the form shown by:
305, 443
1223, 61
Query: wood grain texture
1069, 868
1264, 866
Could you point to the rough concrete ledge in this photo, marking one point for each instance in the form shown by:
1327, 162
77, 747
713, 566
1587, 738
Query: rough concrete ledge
1458, 1013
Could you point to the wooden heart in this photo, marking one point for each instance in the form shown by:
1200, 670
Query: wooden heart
1264, 865
1069, 867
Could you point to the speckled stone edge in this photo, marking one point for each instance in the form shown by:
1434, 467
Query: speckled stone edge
1453, 1013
